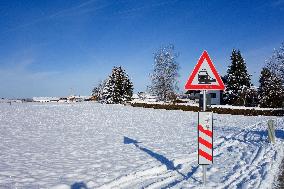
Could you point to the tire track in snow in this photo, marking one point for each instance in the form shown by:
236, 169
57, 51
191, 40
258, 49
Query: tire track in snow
252, 165
162, 175
239, 174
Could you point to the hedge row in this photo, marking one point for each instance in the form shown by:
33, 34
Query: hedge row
247, 112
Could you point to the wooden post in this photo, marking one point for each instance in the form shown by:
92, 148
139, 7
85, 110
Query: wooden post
271, 131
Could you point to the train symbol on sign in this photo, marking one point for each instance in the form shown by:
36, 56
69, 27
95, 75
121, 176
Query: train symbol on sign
204, 78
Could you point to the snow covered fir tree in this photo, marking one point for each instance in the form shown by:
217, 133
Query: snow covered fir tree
276, 62
270, 91
165, 74
118, 88
238, 85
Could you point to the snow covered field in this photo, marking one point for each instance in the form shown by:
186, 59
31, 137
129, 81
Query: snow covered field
114, 146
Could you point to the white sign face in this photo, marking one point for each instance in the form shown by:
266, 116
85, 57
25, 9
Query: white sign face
204, 75
205, 138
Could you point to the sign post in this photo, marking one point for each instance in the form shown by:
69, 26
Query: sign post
204, 167
205, 141
205, 77
204, 101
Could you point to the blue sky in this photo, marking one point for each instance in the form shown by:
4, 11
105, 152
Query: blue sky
49, 47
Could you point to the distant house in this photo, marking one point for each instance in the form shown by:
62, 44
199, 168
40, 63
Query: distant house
151, 98
214, 95
142, 96
71, 98
54, 99
27, 100
41, 99
62, 99
74, 98
135, 97
45, 99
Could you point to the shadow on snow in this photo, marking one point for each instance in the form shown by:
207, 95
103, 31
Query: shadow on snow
279, 133
162, 159
264, 134
79, 185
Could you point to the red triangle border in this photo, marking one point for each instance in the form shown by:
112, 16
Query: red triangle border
190, 86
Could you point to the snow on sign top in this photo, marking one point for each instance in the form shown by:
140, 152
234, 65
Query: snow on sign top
204, 76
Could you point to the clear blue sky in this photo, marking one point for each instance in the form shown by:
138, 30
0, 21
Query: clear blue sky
48, 47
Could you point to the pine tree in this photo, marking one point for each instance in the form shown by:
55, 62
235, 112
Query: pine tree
165, 74
118, 87
270, 92
238, 80
276, 62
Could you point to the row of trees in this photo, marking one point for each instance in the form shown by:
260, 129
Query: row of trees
118, 88
240, 91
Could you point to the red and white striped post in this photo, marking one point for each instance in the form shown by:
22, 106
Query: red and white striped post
205, 138
205, 77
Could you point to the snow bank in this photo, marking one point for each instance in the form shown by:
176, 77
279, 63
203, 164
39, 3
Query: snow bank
114, 146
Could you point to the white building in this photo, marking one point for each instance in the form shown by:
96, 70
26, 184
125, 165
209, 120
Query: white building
151, 98
75, 98
144, 97
135, 97
215, 97
45, 99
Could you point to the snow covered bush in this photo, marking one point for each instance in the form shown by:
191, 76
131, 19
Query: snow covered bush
270, 91
165, 74
237, 80
247, 96
118, 87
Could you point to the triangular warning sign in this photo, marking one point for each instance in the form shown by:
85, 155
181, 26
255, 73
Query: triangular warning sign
204, 76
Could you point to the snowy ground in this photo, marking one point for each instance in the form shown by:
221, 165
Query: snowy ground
114, 146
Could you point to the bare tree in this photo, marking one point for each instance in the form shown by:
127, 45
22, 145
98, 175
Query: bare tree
98, 90
165, 73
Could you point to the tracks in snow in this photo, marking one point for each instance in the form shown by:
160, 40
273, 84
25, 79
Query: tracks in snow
155, 177
248, 168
